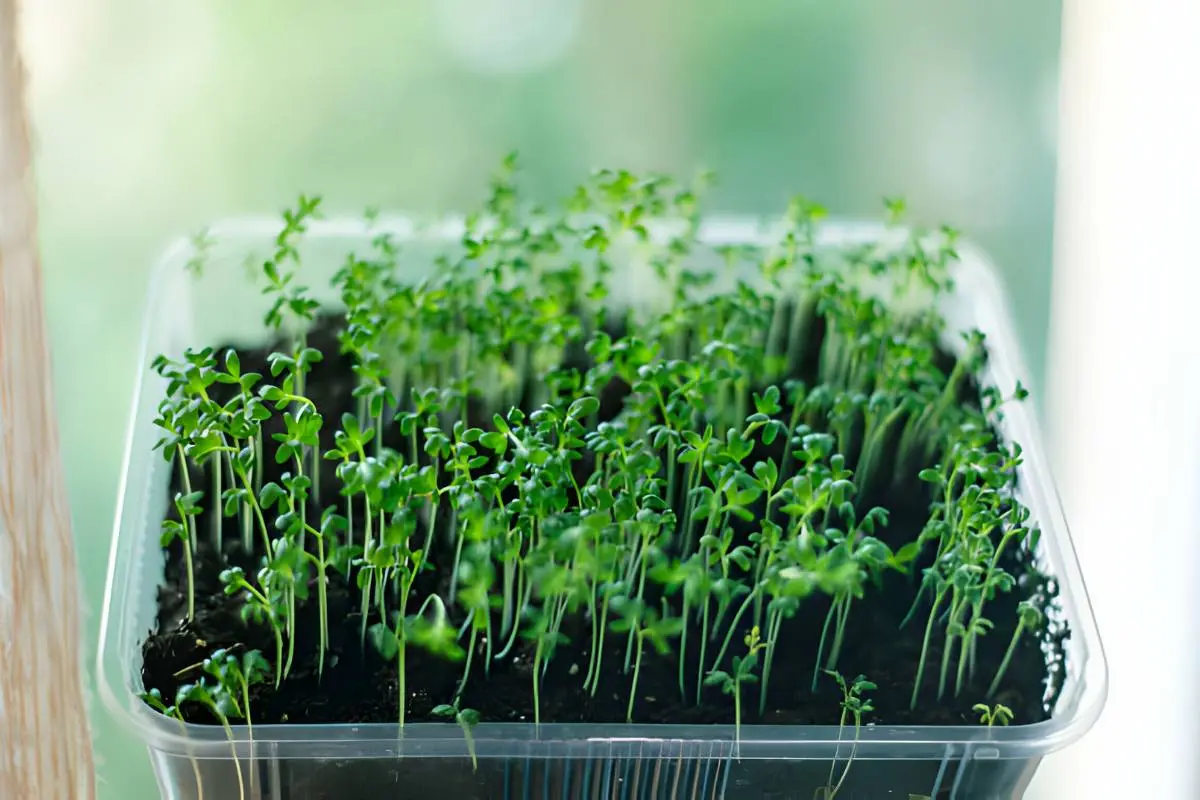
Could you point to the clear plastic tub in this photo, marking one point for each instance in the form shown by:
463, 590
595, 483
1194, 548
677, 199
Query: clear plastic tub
629, 762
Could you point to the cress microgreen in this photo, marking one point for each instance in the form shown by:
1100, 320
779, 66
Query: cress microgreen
998, 714
854, 704
220, 700
731, 682
528, 460
467, 719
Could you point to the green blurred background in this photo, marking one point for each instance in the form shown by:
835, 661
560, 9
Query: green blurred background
155, 118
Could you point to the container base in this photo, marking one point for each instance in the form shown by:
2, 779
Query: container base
600, 778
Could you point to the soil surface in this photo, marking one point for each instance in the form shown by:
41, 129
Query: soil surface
358, 686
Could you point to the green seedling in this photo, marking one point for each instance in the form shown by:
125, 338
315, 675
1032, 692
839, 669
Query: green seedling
647, 625
731, 682
1029, 618
523, 457
995, 715
219, 701
854, 704
258, 608
235, 676
187, 506
433, 635
467, 719
154, 699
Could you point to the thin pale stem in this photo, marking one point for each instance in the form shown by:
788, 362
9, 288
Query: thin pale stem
937, 602
824, 634
637, 668
1008, 655
733, 624
947, 649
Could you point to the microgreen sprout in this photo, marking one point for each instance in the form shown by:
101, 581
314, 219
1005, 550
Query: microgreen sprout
1029, 618
647, 625
433, 635
998, 714
258, 607
220, 700
467, 719
234, 676
731, 682
522, 459
187, 506
854, 704
155, 700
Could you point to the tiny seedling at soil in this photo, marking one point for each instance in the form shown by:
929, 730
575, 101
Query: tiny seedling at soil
731, 682
854, 704
995, 715
467, 719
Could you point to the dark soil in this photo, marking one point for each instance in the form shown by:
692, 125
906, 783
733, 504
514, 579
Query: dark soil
359, 687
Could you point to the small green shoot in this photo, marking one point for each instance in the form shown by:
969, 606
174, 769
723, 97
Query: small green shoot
731, 684
1029, 618
854, 704
996, 715
467, 719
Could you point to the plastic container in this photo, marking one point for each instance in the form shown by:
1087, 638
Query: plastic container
625, 762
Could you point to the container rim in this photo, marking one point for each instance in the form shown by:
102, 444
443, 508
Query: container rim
973, 272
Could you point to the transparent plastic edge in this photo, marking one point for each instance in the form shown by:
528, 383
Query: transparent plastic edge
989, 309
172, 259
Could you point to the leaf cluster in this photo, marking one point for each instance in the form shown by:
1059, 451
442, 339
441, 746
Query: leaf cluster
669, 476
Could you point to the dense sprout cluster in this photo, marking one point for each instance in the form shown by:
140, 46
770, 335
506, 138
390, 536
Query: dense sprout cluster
594, 422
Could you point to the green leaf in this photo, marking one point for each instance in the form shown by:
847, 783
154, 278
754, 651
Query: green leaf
192, 693
494, 441
930, 476
583, 407
249, 381
767, 474
245, 459
907, 553
271, 495
747, 495
771, 431
233, 498
189, 504
171, 530
383, 639
310, 355
332, 523
288, 522
270, 393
